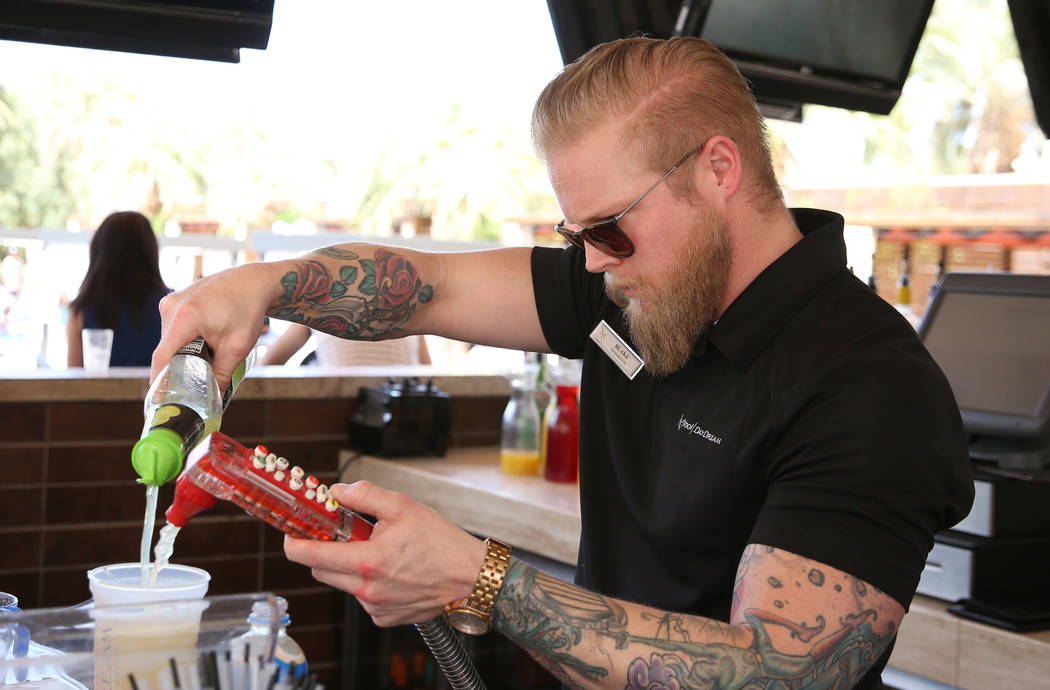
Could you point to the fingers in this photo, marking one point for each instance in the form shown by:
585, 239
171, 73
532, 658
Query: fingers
365, 497
226, 309
173, 335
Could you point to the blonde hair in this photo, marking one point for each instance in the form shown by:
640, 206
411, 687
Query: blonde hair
672, 95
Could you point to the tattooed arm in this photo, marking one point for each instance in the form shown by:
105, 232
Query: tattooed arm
359, 291
794, 621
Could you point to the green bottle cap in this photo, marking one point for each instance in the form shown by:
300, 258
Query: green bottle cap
157, 457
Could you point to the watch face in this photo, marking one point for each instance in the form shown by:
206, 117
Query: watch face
468, 622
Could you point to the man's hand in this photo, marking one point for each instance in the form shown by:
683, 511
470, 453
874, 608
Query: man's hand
414, 564
227, 308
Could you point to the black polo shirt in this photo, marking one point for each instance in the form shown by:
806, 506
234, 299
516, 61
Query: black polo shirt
809, 418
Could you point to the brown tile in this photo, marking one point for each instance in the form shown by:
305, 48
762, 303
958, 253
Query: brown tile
273, 541
21, 507
328, 675
244, 419
478, 414
19, 549
235, 575
94, 463
306, 417
322, 606
65, 586
319, 643
91, 546
23, 465
473, 439
281, 574
24, 585
95, 421
22, 422
226, 537
77, 504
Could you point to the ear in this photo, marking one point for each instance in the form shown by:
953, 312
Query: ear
725, 167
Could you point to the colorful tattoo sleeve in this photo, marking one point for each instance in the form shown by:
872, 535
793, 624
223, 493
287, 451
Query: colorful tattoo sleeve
587, 640
339, 292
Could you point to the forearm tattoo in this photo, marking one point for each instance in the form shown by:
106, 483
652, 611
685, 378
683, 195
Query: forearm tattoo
586, 639
364, 299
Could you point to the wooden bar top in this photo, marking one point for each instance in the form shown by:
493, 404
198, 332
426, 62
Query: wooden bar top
468, 488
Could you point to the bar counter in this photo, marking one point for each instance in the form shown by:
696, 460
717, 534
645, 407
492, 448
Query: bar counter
262, 383
69, 500
543, 517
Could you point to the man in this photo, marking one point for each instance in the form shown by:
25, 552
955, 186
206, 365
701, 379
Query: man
757, 500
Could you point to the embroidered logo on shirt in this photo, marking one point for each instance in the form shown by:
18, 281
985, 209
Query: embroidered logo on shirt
694, 428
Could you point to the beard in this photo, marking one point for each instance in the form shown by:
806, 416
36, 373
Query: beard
665, 321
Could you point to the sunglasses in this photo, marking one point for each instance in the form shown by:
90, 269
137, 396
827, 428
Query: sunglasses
605, 235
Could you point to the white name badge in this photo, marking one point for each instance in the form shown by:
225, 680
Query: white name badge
617, 349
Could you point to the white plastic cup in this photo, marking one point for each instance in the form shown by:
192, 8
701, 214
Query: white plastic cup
141, 630
97, 344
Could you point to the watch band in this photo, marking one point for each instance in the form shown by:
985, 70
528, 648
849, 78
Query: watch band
474, 614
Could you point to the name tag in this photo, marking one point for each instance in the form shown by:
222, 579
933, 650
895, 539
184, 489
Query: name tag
617, 349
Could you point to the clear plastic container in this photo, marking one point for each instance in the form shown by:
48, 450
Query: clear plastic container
71, 647
268, 647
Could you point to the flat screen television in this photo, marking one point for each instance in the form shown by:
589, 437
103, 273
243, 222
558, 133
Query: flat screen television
990, 334
839, 53
199, 29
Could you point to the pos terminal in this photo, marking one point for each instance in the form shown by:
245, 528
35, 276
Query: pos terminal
990, 334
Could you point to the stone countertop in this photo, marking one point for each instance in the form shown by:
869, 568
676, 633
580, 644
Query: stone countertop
262, 383
468, 488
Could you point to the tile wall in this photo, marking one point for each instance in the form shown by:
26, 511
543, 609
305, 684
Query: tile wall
69, 502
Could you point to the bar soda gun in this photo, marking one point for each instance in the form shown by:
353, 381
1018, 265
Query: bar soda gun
270, 488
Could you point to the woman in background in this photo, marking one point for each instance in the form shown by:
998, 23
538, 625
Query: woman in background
120, 291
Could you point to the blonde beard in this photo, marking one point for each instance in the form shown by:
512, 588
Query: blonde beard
666, 322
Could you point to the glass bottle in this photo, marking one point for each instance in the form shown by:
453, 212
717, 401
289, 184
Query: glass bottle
289, 662
520, 434
563, 435
904, 295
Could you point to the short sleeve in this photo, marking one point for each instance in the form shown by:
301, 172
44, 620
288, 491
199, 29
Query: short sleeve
568, 298
871, 461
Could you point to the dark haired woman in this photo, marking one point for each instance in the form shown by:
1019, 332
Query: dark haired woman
120, 291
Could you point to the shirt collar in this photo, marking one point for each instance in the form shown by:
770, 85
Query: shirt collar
779, 291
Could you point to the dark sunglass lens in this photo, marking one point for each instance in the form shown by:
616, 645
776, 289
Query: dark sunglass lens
610, 238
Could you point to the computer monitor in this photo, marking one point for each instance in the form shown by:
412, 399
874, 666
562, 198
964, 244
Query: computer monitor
990, 334
853, 54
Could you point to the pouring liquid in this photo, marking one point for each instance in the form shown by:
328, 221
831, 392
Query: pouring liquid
162, 553
147, 530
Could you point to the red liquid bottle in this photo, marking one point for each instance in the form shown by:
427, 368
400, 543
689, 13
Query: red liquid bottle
563, 436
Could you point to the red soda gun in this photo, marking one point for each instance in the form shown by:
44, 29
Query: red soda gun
264, 486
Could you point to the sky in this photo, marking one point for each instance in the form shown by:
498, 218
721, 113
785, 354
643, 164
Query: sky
337, 74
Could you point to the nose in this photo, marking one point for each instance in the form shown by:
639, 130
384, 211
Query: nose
598, 261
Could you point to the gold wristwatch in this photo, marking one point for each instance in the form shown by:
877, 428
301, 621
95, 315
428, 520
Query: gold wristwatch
473, 615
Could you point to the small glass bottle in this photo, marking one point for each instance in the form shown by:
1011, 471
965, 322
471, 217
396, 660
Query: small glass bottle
563, 435
520, 434
904, 295
289, 662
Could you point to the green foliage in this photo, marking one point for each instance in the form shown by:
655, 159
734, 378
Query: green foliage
34, 191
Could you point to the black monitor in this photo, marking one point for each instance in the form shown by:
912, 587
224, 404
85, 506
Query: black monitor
990, 334
198, 29
840, 53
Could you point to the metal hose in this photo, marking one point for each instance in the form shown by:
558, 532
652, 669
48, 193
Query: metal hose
451, 658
